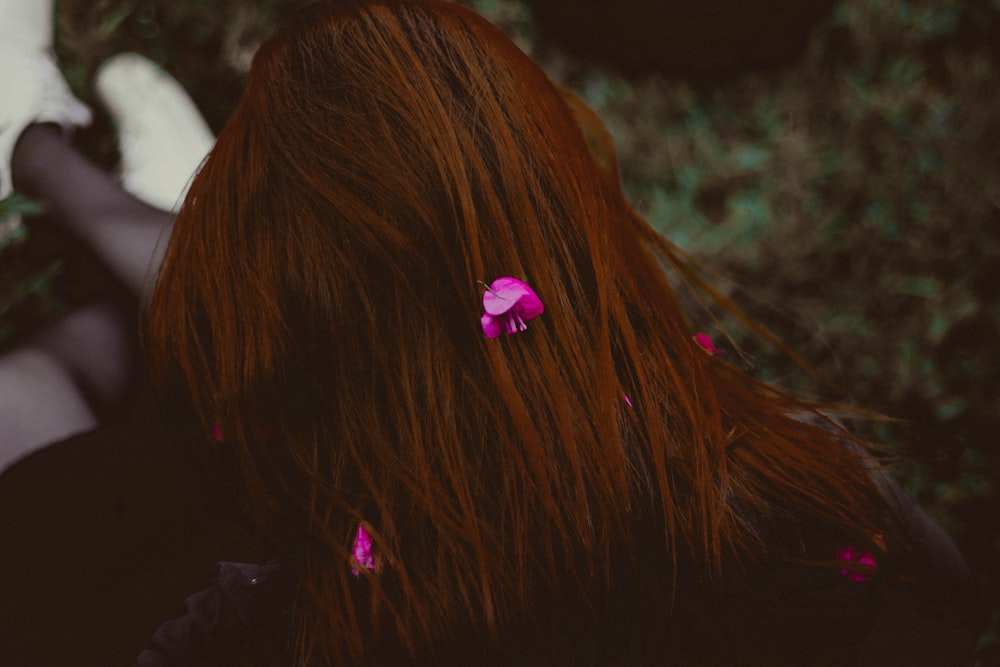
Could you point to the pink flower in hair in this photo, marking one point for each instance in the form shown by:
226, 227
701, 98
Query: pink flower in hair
865, 559
706, 344
363, 551
509, 304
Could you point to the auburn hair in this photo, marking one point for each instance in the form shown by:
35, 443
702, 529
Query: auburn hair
319, 306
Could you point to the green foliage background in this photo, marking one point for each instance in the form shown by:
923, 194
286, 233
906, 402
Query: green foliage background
852, 199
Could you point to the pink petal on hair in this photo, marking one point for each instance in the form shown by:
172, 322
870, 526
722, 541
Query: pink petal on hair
509, 303
628, 401
706, 343
492, 326
364, 552
529, 306
851, 554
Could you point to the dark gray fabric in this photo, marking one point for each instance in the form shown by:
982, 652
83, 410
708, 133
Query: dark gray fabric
243, 619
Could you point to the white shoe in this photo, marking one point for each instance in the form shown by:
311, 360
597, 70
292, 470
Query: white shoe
162, 137
34, 90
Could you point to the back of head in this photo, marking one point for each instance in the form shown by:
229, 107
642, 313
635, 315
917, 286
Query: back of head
320, 303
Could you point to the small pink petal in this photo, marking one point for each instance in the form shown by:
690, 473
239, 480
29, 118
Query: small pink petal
363, 551
529, 306
706, 343
628, 401
492, 326
851, 554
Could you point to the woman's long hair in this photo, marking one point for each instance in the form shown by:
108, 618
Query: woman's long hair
319, 310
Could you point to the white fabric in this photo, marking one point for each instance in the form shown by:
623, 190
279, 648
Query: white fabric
162, 137
32, 89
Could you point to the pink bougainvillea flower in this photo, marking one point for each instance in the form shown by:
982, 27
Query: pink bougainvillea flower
509, 304
865, 559
706, 344
363, 551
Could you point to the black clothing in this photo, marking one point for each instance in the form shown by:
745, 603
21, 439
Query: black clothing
102, 538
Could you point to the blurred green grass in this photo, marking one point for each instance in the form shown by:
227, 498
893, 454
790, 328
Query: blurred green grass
852, 197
